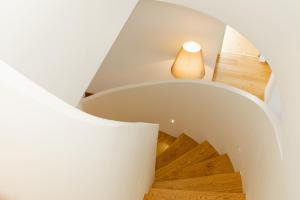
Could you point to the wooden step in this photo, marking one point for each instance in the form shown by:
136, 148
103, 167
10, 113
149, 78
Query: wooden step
163, 142
216, 183
200, 153
217, 165
180, 146
165, 194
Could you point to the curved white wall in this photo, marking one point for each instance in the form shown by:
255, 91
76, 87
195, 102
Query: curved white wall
150, 40
230, 119
60, 44
50, 150
274, 28
272, 96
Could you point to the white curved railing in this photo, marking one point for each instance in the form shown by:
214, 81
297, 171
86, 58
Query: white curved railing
235, 122
50, 150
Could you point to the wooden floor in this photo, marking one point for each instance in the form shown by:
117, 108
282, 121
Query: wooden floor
243, 72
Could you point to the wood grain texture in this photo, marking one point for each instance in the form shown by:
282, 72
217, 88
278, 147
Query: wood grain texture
198, 154
165, 194
217, 165
181, 145
216, 183
163, 142
243, 72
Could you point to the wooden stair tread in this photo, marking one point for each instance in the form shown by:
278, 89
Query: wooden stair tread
217, 165
163, 142
216, 183
179, 147
200, 153
165, 194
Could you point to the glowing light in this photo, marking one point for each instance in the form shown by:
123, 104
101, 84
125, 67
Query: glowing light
189, 63
192, 47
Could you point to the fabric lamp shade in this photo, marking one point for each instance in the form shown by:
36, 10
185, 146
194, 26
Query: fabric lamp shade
189, 62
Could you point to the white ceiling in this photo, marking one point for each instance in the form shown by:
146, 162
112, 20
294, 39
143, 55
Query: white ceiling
147, 45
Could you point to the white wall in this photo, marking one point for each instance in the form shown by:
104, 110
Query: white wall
272, 96
60, 44
274, 28
235, 43
50, 150
147, 46
235, 122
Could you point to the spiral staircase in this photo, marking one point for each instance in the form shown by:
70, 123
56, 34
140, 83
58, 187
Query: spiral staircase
186, 170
